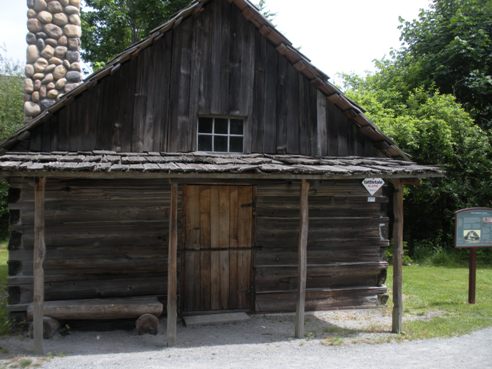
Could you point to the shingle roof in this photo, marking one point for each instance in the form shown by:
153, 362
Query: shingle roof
108, 163
283, 46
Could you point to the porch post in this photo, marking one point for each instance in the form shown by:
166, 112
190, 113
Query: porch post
172, 267
38, 260
302, 261
397, 256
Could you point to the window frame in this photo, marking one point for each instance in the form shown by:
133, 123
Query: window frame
227, 135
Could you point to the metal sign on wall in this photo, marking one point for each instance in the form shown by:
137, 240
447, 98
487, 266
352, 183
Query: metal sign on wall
373, 185
473, 228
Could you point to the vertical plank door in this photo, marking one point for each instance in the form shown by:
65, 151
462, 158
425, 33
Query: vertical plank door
218, 246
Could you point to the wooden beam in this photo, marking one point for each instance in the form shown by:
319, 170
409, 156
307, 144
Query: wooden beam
302, 255
172, 276
397, 256
38, 260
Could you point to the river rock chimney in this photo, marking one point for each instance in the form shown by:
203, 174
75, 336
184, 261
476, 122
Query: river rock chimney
53, 52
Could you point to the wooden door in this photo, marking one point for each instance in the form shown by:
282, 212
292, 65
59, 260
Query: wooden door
217, 248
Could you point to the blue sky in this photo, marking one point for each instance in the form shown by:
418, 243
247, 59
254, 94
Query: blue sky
338, 36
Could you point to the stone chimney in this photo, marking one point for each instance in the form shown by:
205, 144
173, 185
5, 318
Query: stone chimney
53, 52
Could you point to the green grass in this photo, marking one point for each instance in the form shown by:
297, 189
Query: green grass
445, 290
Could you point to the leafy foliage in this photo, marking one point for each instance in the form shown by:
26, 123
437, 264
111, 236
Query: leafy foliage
11, 118
110, 26
449, 46
434, 129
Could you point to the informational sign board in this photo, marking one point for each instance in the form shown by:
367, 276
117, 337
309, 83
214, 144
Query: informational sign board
373, 185
473, 228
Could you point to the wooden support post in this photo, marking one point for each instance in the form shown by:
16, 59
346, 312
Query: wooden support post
38, 260
472, 276
172, 276
397, 257
302, 254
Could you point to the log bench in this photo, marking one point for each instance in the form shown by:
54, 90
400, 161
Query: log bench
145, 309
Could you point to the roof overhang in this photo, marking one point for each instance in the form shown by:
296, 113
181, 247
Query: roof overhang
108, 164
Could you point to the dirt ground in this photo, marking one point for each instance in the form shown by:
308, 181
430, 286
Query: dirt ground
344, 339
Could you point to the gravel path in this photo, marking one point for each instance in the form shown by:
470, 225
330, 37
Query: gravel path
262, 342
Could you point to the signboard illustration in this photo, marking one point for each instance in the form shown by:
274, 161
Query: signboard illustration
373, 185
474, 228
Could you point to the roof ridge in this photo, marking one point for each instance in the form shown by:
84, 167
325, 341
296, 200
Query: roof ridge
283, 46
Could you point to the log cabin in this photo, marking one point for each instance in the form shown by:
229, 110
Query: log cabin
208, 168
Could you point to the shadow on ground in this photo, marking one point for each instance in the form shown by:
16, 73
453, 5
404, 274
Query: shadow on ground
258, 330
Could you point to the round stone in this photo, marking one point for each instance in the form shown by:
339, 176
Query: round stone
48, 52
40, 44
60, 84
50, 68
73, 56
31, 38
70, 86
45, 17
63, 2
70, 9
63, 41
53, 30
66, 64
49, 78
32, 54
42, 91
34, 25
40, 65
72, 30
31, 13
56, 61
41, 35
51, 42
50, 86
29, 70
55, 7
60, 51
75, 3
74, 43
28, 86
60, 19
35, 96
37, 84
39, 5
37, 78
31, 108
59, 72
45, 104
52, 94
76, 66
73, 76
74, 19
30, 3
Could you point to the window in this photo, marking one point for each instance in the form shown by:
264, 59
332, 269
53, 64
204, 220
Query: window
220, 134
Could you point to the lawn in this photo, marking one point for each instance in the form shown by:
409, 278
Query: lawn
445, 290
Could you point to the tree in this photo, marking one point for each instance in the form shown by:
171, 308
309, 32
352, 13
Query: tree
11, 118
449, 46
434, 129
110, 26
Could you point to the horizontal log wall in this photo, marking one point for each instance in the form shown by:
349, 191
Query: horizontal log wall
108, 238
346, 242
104, 238
214, 63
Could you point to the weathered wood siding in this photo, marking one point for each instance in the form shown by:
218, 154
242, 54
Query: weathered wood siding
103, 239
346, 242
213, 63
108, 238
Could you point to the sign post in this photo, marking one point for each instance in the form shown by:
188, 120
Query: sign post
473, 231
